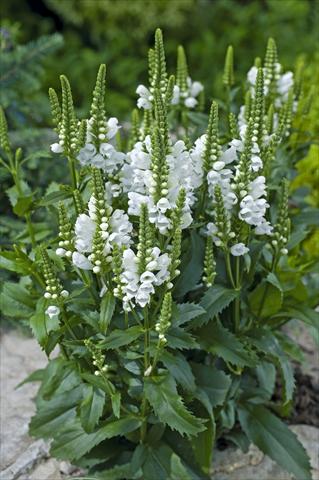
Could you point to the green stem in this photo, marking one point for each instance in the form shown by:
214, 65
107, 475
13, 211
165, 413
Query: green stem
146, 365
71, 162
273, 266
229, 269
27, 217
237, 299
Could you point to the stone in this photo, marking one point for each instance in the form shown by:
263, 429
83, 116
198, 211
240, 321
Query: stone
19, 356
49, 470
233, 464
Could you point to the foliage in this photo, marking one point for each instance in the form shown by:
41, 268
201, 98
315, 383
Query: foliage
164, 271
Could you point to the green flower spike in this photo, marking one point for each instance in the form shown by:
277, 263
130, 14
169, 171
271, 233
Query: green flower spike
212, 148
101, 213
78, 202
176, 234
117, 270
97, 122
244, 171
55, 108
233, 126
68, 131
165, 319
258, 108
161, 118
270, 64
4, 138
282, 226
66, 246
228, 77
160, 75
209, 264
169, 90
54, 290
98, 358
248, 106
221, 219
159, 167
182, 69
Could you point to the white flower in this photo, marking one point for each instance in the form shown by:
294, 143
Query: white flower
121, 228
190, 102
256, 163
264, 228
194, 87
60, 252
53, 312
146, 98
86, 154
252, 75
284, 83
56, 148
112, 127
238, 249
84, 232
80, 261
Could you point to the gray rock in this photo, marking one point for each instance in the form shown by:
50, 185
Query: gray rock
232, 464
50, 470
19, 357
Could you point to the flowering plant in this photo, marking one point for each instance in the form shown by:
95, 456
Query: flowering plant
169, 278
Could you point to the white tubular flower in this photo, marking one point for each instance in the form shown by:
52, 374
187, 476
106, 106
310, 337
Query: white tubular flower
252, 75
56, 148
252, 211
194, 87
190, 102
239, 249
135, 201
112, 127
84, 232
86, 154
80, 261
121, 228
53, 312
256, 163
264, 228
61, 252
284, 84
146, 98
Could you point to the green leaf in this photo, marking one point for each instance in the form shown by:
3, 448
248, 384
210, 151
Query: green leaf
216, 339
54, 414
265, 300
157, 464
269, 345
184, 312
73, 442
203, 445
191, 267
119, 338
302, 313
266, 374
215, 300
179, 368
178, 338
116, 404
107, 310
16, 301
119, 472
274, 439
169, 407
41, 324
212, 382
91, 408
178, 470
54, 197
23, 205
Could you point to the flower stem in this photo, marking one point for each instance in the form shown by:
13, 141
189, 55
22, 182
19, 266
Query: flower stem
237, 299
71, 162
229, 269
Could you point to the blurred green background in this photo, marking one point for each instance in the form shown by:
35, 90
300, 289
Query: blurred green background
119, 33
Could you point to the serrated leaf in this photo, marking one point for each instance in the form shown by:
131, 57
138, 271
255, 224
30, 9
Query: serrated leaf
266, 374
184, 312
265, 300
274, 439
116, 404
269, 345
119, 472
203, 445
157, 463
73, 442
23, 205
119, 338
178, 338
216, 339
16, 301
179, 368
91, 408
215, 300
178, 470
54, 197
168, 406
213, 382
302, 313
54, 414
107, 310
